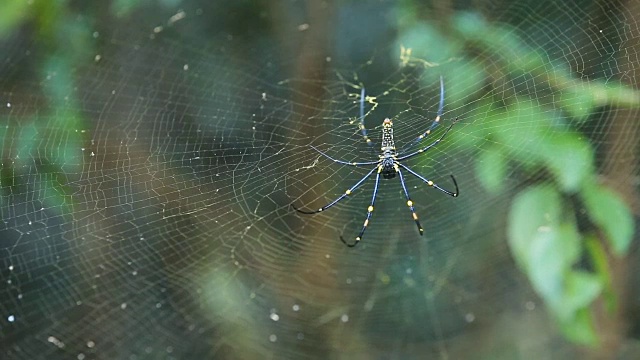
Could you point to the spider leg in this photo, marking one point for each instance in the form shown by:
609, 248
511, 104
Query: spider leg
409, 202
361, 126
431, 183
344, 162
369, 211
346, 193
435, 122
403, 157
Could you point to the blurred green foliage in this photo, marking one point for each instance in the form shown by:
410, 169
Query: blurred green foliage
537, 135
508, 132
58, 130
12, 12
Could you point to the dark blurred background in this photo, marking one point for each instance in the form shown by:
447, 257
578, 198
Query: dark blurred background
151, 151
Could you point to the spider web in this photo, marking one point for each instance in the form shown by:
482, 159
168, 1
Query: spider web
147, 182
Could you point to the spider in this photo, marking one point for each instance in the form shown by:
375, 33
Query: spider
389, 164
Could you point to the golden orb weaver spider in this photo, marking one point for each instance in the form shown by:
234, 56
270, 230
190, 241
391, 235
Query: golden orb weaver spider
388, 165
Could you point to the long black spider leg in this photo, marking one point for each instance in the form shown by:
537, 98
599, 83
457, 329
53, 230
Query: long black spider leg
369, 211
361, 126
431, 183
346, 193
344, 162
409, 202
403, 157
435, 122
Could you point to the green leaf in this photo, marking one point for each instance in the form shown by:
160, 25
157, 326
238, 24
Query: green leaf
619, 95
578, 102
12, 12
491, 168
611, 214
598, 258
581, 289
579, 98
569, 158
471, 130
463, 79
554, 249
542, 247
580, 328
521, 129
546, 247
532, 209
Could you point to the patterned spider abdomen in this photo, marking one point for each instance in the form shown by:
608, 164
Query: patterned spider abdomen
388, 147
